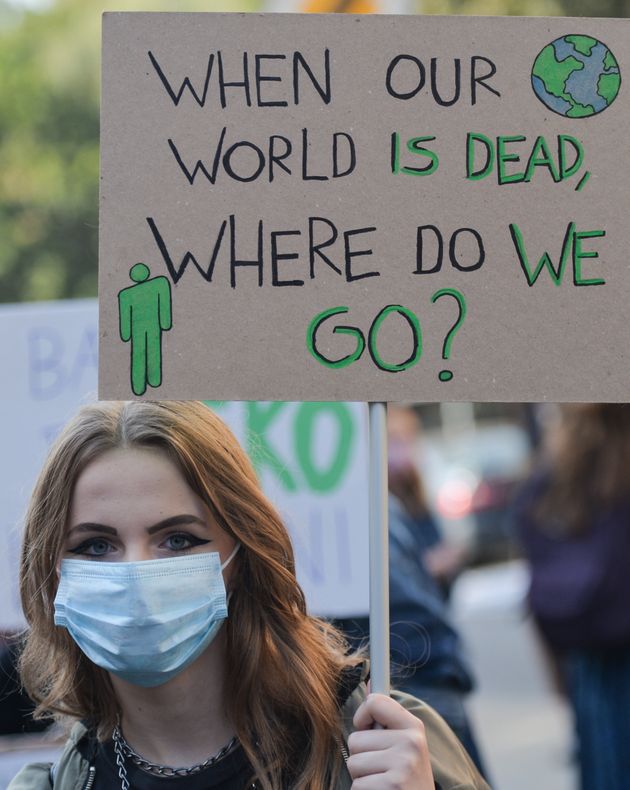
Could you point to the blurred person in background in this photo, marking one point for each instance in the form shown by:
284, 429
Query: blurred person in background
573, 519
426, 652
442, 560
16, 708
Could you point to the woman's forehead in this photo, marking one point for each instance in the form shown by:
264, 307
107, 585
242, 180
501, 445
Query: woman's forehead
134, 478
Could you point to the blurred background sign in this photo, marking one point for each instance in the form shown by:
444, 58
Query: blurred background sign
311, 457
48, 353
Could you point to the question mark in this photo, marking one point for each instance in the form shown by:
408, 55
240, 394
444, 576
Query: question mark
447, 375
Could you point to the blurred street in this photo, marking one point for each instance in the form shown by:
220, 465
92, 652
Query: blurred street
523, 727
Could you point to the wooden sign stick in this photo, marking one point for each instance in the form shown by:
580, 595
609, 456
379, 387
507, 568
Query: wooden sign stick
379, 550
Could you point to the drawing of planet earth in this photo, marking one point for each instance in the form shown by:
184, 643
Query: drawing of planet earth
576, 76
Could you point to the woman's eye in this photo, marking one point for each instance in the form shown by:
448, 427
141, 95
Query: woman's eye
182, 541
96, 547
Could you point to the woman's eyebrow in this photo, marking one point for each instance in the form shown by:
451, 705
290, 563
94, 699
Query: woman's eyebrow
90, 526
175, 521
172, 521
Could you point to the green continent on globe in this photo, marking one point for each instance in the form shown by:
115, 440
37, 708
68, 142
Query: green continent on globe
554, 74
576, 76
608, 86
583, 44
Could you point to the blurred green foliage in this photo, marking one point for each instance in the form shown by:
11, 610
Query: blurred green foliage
49, 126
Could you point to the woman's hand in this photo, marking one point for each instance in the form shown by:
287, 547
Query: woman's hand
393, 758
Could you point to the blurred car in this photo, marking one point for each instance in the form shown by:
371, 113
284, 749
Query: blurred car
470, 476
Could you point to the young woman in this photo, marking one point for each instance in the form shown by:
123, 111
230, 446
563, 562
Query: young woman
147, 519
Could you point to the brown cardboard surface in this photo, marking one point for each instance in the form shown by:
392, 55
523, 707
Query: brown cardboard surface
238, 331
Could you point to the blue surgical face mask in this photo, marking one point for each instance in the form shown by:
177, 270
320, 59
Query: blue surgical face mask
143, 621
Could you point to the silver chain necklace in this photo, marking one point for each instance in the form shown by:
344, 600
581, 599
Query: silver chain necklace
123, 750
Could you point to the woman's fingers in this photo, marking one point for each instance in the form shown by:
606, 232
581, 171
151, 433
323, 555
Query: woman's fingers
367, 764
372, 740
383, 710
393, 758
374, 782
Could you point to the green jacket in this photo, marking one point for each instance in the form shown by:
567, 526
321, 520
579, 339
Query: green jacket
452, 768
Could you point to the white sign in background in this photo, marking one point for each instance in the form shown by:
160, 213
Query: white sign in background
311, 457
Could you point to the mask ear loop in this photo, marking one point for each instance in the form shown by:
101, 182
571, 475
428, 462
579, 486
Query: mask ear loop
231, 557
226, 563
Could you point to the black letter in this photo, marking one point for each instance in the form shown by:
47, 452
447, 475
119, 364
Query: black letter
234, 262
458, 83
244, 84
390, 71
262, 78
349, 255
452, 251
228, 165
420, 250
325, 93
200, 165
201, 100
176, 273
353, 155
284, 256
277, 160
474, 79
305, 175
316, 248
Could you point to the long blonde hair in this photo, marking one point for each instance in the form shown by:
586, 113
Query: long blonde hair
283, 666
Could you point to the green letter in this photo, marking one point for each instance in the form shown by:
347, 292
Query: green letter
311, 337
471, 139
395, 153
567, 172
545, 161
503, 157
545, 261
414, 147
413, 322
579, 256
329, 478
259, 417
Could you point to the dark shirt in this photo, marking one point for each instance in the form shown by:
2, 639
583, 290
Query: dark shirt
16, 709
579, 581
232, 772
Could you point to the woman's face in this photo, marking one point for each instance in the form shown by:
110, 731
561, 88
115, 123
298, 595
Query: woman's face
134, 504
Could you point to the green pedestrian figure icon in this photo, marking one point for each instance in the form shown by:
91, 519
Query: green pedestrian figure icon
145, 312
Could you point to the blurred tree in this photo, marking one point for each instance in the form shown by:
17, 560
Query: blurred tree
49, 130
616, 8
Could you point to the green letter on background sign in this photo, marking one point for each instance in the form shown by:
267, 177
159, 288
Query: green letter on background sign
323, 480
259, 417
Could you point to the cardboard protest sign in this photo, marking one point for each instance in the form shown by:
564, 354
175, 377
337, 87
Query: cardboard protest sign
364, 208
